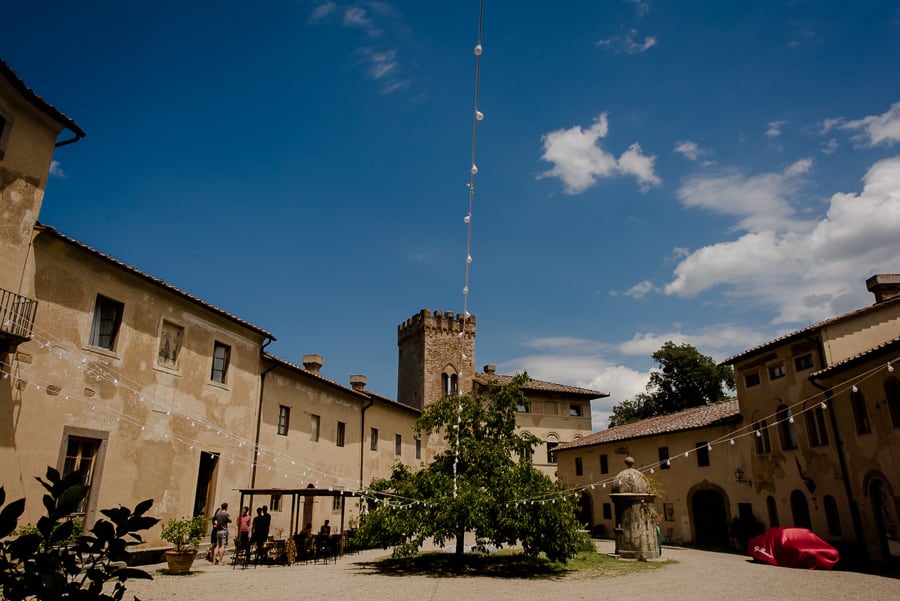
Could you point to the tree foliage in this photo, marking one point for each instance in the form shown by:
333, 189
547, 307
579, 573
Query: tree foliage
501, 499
47, 562
686, 378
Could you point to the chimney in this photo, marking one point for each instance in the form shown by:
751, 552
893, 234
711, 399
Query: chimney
884, 286
490, 369
358, 382
312, 363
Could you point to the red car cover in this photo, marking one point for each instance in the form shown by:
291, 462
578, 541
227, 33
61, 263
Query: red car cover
793, 548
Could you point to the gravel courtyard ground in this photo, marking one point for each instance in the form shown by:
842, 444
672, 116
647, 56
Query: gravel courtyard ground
698, 576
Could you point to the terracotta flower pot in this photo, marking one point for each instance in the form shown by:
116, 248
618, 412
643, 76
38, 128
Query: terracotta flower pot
180, 561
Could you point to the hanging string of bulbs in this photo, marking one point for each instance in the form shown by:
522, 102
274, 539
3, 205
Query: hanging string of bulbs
477, 116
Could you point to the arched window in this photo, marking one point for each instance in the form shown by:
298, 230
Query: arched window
892, 396
860, 413
449, 384
831, 516
786, 431
815, 427
772, 509
763, 445
800, 510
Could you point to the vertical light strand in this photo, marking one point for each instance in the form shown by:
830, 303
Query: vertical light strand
477, 116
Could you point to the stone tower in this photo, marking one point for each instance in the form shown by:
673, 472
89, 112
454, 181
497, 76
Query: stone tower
436, 356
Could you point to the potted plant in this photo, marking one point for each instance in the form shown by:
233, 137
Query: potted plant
186, 535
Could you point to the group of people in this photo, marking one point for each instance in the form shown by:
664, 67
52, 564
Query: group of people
247, 531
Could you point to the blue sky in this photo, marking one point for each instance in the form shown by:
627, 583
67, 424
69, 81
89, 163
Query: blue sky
715, 173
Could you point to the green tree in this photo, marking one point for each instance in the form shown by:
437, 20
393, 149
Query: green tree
686, 378
49, 562
496, 496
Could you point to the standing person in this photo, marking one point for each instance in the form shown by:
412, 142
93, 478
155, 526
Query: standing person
222, 520
211, 553
266, 523
325, 530
256, 534
242, 539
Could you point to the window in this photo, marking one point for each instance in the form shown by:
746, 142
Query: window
551, 455
522, 407
663, 458
418, 448
786, 431
275, 502
607, 511
336, 503
221, 357
579, 468
803, 362
284, 419
604, 464
815, 427
314, 421
751, 379
373, 439
398, 445
81, 455
831, 516
776, 371
575, 410
702, 454
860, 413
170, 338
449, 384
5, 127
763, 444
107, 319
772, 510
892, 396
341, 433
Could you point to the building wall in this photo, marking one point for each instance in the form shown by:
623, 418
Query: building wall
549, 418
847, 337
156, 419
26, 148
675, 486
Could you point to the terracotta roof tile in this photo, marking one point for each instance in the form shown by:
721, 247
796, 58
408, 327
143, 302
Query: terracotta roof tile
689, 419
539, 385
37, 101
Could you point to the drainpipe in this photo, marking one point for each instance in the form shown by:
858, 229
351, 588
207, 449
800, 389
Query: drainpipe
842, 460
259, 410
362, 438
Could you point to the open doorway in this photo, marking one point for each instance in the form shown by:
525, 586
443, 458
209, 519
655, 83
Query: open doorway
206, 483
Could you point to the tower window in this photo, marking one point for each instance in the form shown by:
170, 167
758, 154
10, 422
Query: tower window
449, 384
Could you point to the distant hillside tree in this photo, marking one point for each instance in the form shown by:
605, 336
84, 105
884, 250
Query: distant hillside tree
686, 378
500, 497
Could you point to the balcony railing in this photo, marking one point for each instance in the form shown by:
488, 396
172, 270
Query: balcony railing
16, 316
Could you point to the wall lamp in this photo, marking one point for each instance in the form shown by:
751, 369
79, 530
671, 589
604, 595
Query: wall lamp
739, 476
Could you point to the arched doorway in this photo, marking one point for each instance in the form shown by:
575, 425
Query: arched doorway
710, 518
585, 513
885, 517
800, 510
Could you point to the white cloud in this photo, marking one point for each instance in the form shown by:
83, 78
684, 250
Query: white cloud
689, 149
56, 170
812, 269
640, 290
357, 17
830, 147
875, 129
321, 12
800, 167
773, 129
627, 44
760, 201
578, 160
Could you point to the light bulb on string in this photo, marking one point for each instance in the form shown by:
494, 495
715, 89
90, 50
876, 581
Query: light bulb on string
731, 442
854, 388
467, 218
478, 50
890, 368
479, 116
474, 169
824, 406
469, 259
